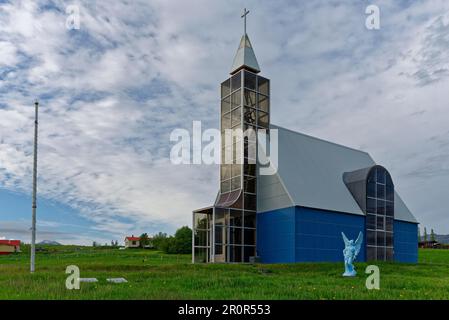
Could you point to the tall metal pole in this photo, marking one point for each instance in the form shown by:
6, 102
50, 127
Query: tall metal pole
33, 219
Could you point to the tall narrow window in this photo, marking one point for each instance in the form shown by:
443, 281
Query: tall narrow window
379, 215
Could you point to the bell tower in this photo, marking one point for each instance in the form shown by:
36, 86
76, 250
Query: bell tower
245, 110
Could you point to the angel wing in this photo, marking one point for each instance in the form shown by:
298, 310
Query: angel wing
346, 240
358, 243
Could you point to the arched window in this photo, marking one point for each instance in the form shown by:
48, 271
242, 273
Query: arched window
379, 214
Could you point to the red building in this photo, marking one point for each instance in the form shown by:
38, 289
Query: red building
9, 246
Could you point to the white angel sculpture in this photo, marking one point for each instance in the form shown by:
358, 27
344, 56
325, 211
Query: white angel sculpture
350, 253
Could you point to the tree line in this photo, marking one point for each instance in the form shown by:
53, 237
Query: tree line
425, 236
181, 242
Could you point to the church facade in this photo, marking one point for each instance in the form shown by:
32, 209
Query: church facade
297, 214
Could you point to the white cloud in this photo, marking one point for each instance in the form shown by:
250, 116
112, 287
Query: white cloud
112, 92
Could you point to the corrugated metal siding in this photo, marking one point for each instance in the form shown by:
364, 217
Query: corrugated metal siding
318, 234
405, 242
300, 234
276, 236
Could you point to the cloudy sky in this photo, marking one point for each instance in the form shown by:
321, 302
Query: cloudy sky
112, 92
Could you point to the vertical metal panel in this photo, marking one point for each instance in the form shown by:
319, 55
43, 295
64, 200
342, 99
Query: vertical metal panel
405, 242
318, 234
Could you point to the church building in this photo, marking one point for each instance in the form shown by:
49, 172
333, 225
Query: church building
318, 190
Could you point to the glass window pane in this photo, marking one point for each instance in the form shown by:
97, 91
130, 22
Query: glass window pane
236, 99
235, 235
249, 115
380, 238
226, 120
201, 255
264, 103
226, 88
225, 170
236, 116
380, 254
381, 207
371, 221
225, 186
236, 81
201, 238
220, 216
250, 236
389, 209
389, 224
201, 221
390, 192
219, 234
250, 219
263, 119
250, 202
237, 153
248, 252
249, 98
371, 205
263, 85
371, 238
225, 105
226, 155
249, 184
236, 218
250, 150
250, 170
236, 183
380, 222
380, 191
389, 239
236, 170
235, 253
250, 80
389, 254
371, 189
371, 254
380, 175
219, 249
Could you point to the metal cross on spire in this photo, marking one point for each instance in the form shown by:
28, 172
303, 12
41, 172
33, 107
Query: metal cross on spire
244, 14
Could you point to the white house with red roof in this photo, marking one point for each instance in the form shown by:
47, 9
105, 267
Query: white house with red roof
132, 242
9, 246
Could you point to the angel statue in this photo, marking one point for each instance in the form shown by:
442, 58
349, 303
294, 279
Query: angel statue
350, 253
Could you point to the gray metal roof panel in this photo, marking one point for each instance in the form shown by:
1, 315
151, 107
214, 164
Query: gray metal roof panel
245, 56
311, 172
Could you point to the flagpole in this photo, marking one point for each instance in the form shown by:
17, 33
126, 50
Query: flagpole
33, 220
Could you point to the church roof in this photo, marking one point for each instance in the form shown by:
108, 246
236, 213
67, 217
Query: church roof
310, 174
245, 57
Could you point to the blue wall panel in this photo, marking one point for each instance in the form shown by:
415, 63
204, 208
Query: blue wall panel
299, 234
405, 242
276, 236
318, 234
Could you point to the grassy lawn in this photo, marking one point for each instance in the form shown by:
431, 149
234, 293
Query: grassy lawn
154, 275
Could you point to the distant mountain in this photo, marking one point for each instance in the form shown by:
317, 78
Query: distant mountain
442, 238
50, 243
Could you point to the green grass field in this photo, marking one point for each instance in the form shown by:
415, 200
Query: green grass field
153, 275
